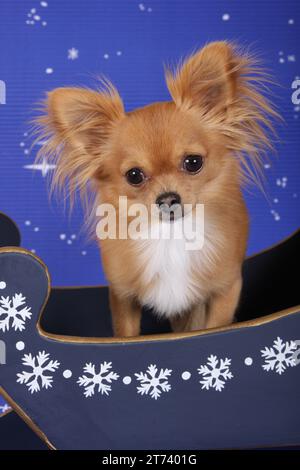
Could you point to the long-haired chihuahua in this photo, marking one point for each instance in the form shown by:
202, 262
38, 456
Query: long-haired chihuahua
195, 149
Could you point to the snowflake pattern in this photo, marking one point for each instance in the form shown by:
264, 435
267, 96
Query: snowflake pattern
36, 378
152, 383
279, 357
103, 379
11, 315
4, 408
73, 53
215, 373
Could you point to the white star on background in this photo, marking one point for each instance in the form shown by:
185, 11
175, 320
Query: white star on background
73, 53
44, 167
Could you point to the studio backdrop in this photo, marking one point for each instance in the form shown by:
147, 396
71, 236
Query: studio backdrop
54, 43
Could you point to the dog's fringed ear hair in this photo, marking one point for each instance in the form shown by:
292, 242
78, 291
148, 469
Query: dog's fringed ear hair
227, 89
75, 125
206, 80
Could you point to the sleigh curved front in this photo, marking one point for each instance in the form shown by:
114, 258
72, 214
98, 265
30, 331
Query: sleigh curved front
234, 387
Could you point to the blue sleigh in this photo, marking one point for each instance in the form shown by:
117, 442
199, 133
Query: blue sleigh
79, 388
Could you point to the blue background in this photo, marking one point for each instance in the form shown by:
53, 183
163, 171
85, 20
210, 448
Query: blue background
129, 41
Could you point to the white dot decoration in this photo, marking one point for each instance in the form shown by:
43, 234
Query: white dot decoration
127, 380
63, 236
49, 70
27, 222
2, 285
248, 361
20, 345
226, 17
67, 374
186, 375
106, 56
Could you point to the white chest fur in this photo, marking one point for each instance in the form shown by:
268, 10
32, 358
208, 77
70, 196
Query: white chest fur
172, 273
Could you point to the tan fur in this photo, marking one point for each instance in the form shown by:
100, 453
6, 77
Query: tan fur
218, 111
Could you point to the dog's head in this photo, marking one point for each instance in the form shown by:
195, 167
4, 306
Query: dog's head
188, 150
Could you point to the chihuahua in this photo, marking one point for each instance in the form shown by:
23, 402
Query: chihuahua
197, 148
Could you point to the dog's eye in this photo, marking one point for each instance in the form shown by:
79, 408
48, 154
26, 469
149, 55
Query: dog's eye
135, 176
192, 163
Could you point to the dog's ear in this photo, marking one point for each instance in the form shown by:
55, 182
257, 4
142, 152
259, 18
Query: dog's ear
227, 89
75, 125
207, 80
84, 117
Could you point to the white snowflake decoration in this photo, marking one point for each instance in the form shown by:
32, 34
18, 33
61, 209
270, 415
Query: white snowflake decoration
280, 356
73, 53
215, 373
4, 408
153, 383
103, 379
11, 315
36, 378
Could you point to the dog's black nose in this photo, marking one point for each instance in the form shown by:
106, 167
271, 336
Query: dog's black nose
168, 199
